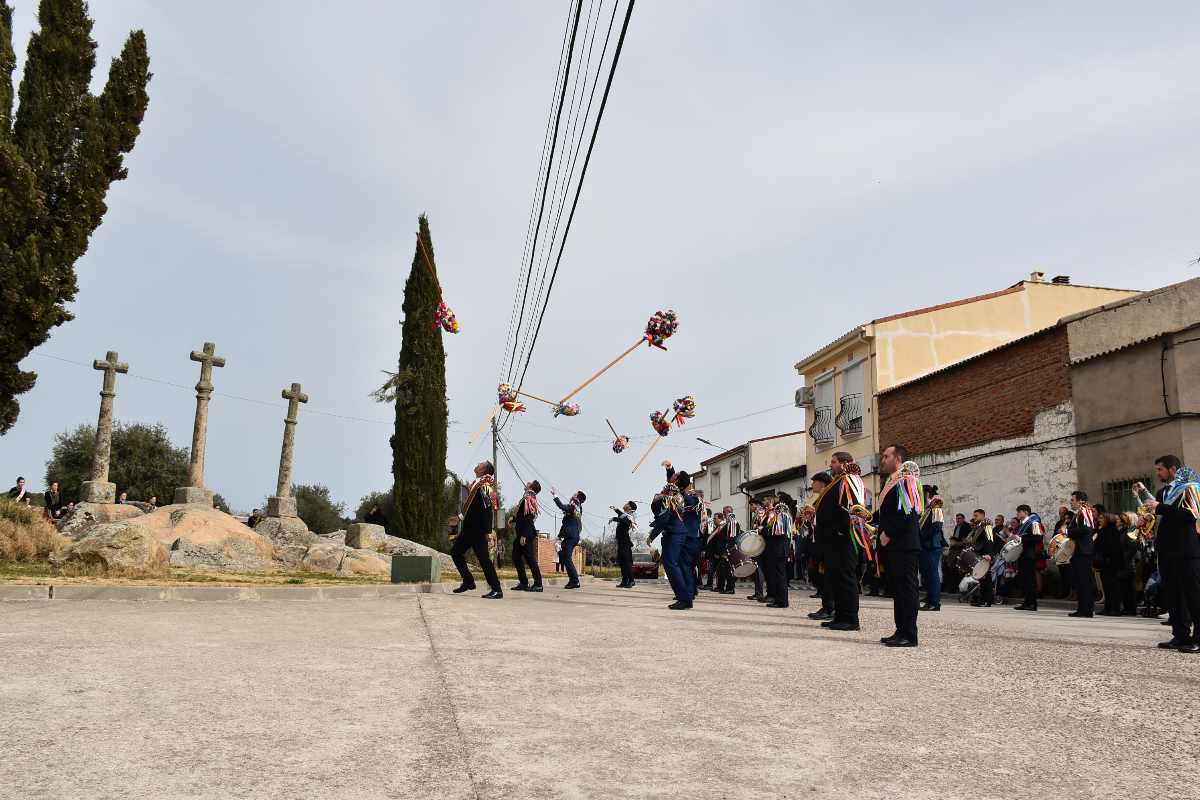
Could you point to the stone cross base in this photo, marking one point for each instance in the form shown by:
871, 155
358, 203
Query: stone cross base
281, 507
97, 492
194, 495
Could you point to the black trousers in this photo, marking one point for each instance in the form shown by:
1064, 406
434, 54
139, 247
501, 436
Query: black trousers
625, 561
841, 580
478, 543
820, 582
775, 569
725, 577
1112, 591
1085, 584
902, 569
1181, 580
1027, 576
760, 564
523, 554
987, 589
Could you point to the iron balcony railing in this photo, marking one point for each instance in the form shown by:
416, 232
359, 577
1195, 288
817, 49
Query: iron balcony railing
850, 417
821, 430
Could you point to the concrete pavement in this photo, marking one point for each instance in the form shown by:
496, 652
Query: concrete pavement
596, 693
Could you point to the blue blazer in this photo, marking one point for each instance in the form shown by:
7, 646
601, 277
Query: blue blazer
571, 524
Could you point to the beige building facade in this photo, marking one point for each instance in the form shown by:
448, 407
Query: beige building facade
841, 380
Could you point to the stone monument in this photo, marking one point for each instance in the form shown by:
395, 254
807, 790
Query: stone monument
195, 492
98, 489
283, 504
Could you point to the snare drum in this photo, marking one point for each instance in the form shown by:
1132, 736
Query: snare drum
1011, 551
981, 569
740, 563
752, 544
967, 559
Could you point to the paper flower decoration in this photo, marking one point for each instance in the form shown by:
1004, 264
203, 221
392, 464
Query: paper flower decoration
661, 326
660, 423
685, 408
620, 443
566, 410
507, 398
445, 317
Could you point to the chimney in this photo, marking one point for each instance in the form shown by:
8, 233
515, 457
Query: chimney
1037, 277
1061, 280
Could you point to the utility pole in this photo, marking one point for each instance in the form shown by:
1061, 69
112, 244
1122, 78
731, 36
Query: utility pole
496, 467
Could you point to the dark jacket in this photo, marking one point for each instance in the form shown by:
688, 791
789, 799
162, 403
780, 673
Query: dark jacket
524, 522
1177, 539
1081, 534
932, 536
983, 545
572, 525
832, 522
902, 527
624, 523
667, 521
1109, 552
52, 502
477, 518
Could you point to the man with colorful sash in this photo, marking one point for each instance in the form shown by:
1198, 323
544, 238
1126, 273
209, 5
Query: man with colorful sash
898, 515
670, 524
524, 547
625, 523
983, 539
776, 531
1177, 506
933, 545
1082, 531
843, 539
1032, 534
474, 531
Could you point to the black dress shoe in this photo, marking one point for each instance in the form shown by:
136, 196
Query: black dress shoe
537, 588
520, 587
900, 641
815, 595
827, 623
754, 597
464, 588
1080, 615
679, 606
844, 626
1173, 644
1190, 647
571, 586
494, 594
764, 599
821, 614
886, 639
927, 607
773, 604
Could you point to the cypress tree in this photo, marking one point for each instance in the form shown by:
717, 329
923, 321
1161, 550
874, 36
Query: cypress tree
419, 443
59, 153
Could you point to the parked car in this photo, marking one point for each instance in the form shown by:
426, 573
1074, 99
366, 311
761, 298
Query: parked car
645, 566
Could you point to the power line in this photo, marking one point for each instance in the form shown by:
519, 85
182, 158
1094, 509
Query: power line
562, 96
509, 338
579, 186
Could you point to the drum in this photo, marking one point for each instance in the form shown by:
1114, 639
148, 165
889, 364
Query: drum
1062, 549
1011, 551
752, 544
966, 584
740, 563
967, 559
981, 569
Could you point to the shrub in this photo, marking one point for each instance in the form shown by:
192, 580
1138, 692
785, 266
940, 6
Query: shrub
25, 535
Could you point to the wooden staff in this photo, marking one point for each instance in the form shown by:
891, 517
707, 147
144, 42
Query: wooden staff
605, 369
539, 399
611, 428
486, 422
653, 445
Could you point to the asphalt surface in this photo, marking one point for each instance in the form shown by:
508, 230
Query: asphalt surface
579, 694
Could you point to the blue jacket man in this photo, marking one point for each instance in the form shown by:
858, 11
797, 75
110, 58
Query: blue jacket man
572, 525
678, 520
933, 544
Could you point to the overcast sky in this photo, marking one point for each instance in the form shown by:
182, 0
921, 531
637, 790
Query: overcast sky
776, 172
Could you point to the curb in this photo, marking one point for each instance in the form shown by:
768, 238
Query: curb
227, 594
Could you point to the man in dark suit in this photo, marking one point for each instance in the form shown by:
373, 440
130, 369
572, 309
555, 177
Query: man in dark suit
933, 545
569, 532
898, 517
475, 529
625, 522
832, 519
1082, 530
524, 546
1177, 506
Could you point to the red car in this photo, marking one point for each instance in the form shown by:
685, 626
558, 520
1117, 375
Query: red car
644, 566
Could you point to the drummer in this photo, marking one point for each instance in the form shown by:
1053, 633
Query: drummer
983, 540
727, 530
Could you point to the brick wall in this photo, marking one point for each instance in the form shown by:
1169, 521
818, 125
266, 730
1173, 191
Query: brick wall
547, 555
994, 396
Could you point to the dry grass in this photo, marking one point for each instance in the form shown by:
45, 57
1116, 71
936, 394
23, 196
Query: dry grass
24, 535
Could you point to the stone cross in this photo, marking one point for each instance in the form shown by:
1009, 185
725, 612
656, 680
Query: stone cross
98, 489
195, 492
283, 504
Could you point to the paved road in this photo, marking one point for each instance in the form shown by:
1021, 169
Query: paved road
598, 693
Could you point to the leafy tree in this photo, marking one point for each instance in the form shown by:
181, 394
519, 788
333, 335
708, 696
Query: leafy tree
419, 443
144, 462
219, 503
59, 153
316, 507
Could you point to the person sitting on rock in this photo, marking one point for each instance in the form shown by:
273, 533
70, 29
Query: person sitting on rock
254, 518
